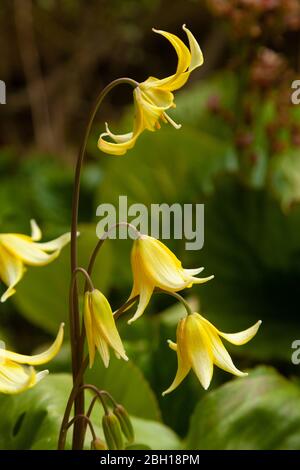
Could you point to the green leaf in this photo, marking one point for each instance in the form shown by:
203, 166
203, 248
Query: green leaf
32, 419
42, 295
127, 385
260, 412
155, 435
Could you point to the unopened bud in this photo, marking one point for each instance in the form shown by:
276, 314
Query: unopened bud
125, 423
112, 432
98, 444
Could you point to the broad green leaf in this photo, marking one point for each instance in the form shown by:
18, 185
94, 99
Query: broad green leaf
32, 419
42, 295
259, 412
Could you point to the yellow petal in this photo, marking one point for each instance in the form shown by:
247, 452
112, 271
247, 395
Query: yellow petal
184, 364
243, 336
56, 244
28, 251
221, 356
193, 272
88, 324
119, 139
199, 350
160, 264
196, 53
124, 142
37, 359
15, 378
36, 233
102, 347
103, 317
11, 271
145, 294
184, 60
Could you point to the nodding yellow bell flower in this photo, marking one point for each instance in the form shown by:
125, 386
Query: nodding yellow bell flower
17, 250
16, 371
153, 97
101, 330
155, 266
199, 347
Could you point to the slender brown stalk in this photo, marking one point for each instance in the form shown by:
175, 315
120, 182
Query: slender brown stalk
75, 335
86, 420
70, 402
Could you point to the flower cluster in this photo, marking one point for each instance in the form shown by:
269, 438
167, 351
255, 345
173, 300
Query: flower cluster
154, 267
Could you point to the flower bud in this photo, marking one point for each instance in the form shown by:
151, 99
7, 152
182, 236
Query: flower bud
98, 444
112, 432
125, 423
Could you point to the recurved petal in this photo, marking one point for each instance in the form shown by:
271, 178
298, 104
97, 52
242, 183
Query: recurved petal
36, 233
11, 271
145, 293
184, 365
113, 148
183, 54
37, 359
196, 53
193, 272
15, 378
28, 251
56, 244
124, 142
243, 336
41, 375
199, 350
103, 317
221, 356
198, 280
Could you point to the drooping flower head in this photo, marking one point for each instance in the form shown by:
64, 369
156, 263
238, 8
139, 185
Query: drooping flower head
153, 97
155, 266
16, 370
199, 347
101, 330
17, 250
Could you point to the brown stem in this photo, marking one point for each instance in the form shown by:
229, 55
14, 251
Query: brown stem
86, 420
77, 350
76, 385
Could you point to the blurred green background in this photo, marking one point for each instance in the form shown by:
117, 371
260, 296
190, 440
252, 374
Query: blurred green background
237, 152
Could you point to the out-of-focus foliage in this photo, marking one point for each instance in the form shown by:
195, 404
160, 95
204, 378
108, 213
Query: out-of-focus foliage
259, 412
237, 152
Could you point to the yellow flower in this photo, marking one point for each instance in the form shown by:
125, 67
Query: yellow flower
153, 97
199, 347
154, 265
17, 250
16, 371
101, 330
